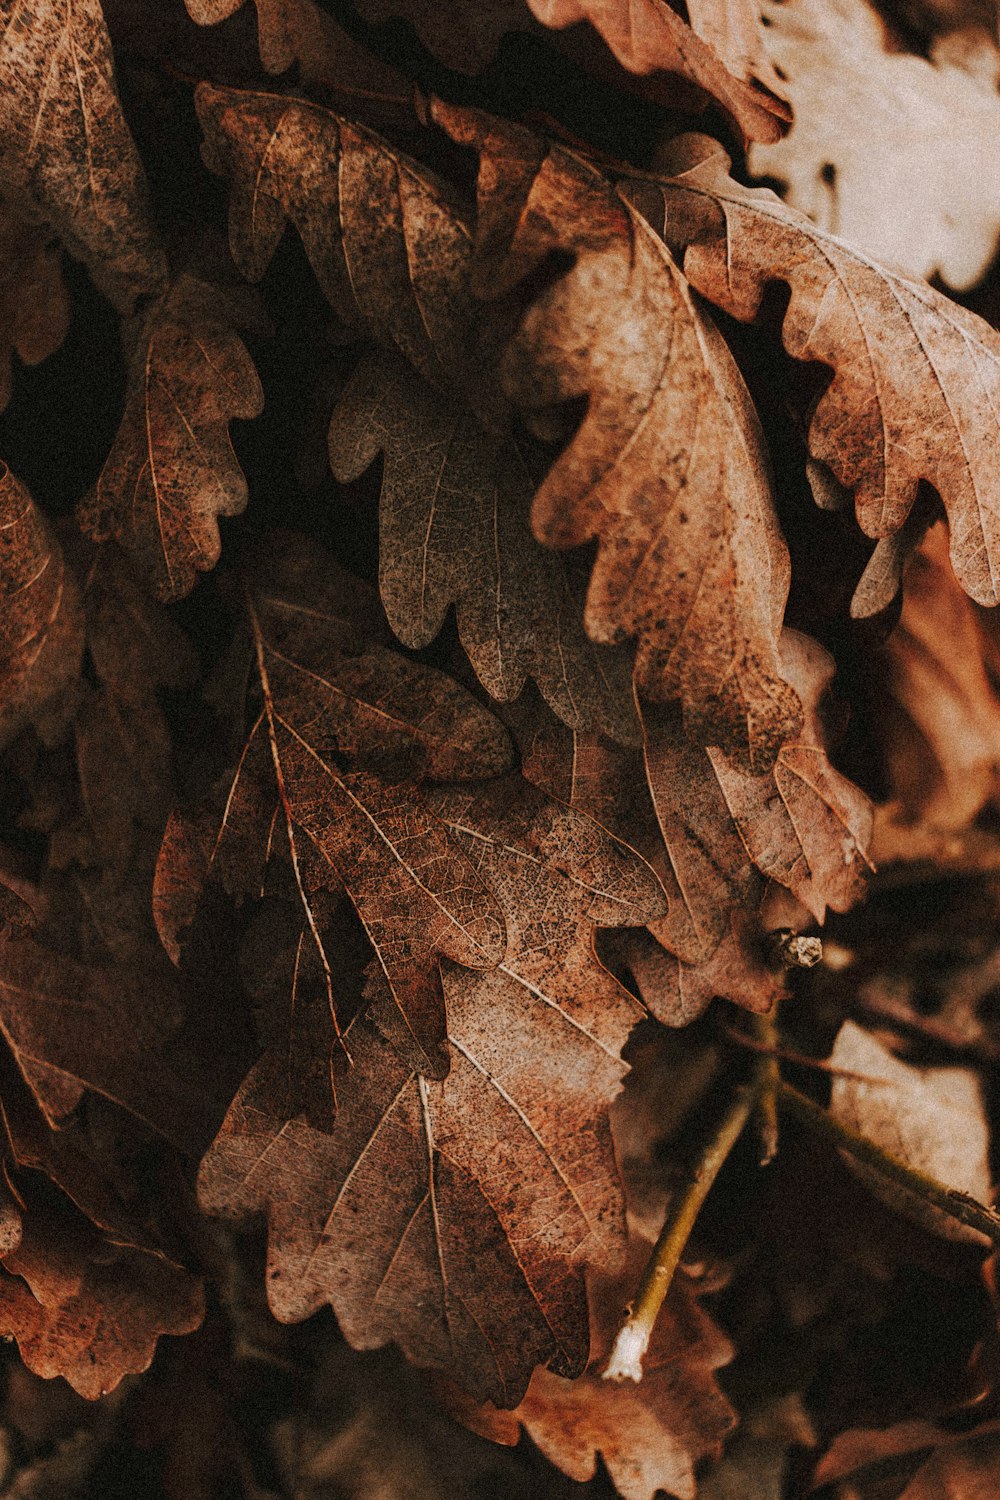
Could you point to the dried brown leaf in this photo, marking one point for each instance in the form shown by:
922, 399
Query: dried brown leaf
493, 1185
66, 153
81, 1306
667, 469
454, 529
947, 1465
720, 52
933, 1119
651, 1434
341, 732
385, 237
73, 1026
172, 472
915, 393
941, 725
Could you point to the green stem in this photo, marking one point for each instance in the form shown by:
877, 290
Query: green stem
633, 1337
957, 1205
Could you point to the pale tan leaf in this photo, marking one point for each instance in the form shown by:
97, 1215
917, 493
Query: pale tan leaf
933, 1119
891, 151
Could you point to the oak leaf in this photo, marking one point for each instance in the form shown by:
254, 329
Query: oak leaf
916, 378
453, 524
889, 151
933, 1119
385, 236
172, 471
298, 32
927, 1460
720, 53
81, 1306
34, 303
494, 1184
941, 721
667, 469
651, 1434
341, 730
41, 629
73, 1026
66, 154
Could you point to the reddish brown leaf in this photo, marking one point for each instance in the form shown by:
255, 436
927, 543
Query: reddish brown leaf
916, 385
85, 1308
65, 149
667, 469
172, 471
327, 777
41, 628
650, 1435
493, 1185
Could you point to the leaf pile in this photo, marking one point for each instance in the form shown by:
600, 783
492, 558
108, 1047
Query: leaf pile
485, 585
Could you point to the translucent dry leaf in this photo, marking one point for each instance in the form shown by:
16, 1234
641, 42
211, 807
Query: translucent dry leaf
41, 627
933, 1119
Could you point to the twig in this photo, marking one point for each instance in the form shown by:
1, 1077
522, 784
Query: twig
633, 1337
957, 1205
765, 1030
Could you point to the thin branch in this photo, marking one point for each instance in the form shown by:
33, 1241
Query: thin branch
957, 1205
633, 1337
765, 1032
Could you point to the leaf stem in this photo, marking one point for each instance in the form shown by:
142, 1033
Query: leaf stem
958, 1205
633, 1337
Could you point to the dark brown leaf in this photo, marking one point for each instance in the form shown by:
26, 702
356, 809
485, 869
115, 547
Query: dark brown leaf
454, 529
339, 733
41, 628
